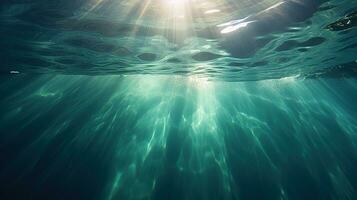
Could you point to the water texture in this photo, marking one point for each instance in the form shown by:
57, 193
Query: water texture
178, 99
221, 40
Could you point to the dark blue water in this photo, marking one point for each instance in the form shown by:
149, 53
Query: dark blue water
178, 99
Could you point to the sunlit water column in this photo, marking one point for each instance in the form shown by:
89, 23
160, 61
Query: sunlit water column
171, 137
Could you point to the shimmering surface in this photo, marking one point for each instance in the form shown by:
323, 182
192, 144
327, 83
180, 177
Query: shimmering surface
224, 40
178, 99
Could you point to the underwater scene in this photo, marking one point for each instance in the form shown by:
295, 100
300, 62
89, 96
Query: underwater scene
178, 99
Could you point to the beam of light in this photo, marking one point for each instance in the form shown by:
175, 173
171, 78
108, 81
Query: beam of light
96, 4
141, 131
175, 2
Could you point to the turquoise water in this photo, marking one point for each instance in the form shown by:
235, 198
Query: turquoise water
179, 100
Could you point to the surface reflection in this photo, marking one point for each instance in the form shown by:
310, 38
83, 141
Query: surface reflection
221, 40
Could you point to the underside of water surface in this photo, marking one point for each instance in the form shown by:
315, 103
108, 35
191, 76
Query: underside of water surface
178, 99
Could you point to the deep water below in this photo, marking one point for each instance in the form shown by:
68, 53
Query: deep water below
172, 137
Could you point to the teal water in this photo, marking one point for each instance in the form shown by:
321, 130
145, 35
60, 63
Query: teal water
190, 99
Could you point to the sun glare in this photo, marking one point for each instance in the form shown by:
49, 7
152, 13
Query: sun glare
175, 1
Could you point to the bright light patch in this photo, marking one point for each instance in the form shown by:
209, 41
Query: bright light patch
212, 11
290, 78
175, 8
274, 6
235, 27
199, 82
233, 22
175, 2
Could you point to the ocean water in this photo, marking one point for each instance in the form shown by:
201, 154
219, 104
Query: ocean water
178, 99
